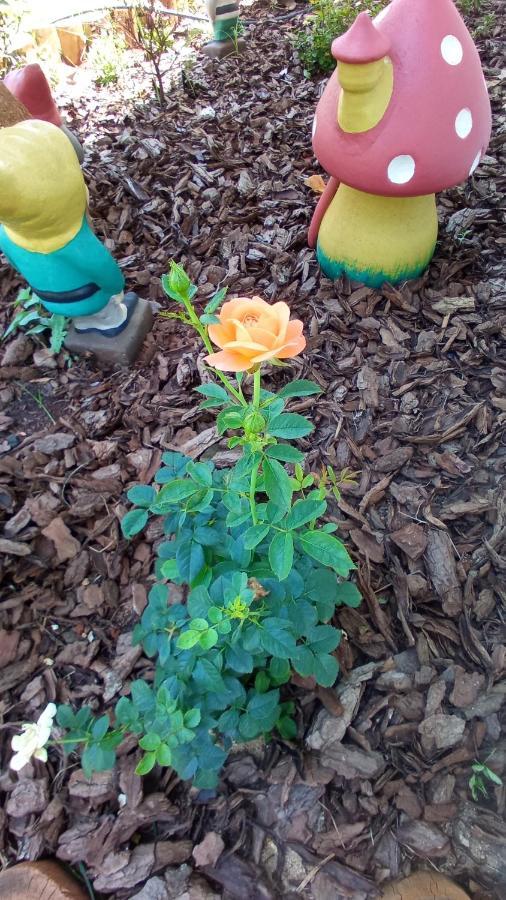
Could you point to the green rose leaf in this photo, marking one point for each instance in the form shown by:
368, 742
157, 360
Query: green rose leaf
177, 490
254, 536
285, 453
213, 391
164, 755
349, 594
208, 639
290, 426
323, 638
146, 763
301, 388
190, 559
287, 728
207, 677
201, 473
325, 670
188, 639
192, 718
281, 554
169, 569
304, 511
229, 418
279, 670
141, 495
100, 727
150, 741
216, 301
133, 522
327, 549
278, 484
276, 639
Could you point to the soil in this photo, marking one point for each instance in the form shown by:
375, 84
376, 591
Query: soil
414, 400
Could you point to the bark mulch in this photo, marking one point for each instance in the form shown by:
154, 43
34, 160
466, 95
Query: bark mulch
414, 399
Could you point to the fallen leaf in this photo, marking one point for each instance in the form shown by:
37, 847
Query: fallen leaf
316, 183
65, 545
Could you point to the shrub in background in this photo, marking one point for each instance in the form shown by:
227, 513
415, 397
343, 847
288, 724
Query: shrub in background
328, 20
107, 56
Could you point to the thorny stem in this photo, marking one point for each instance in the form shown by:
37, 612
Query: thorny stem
254, 472
252, 490
256, 388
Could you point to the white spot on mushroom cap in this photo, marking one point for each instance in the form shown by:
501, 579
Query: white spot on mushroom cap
476, 162
401, 169
451, 50
314, 126
464, 123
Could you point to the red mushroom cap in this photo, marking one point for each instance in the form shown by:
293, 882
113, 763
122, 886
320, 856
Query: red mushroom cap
362, 43
31, 87
437, 125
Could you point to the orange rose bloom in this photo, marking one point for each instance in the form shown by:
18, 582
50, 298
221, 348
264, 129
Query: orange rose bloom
252, 331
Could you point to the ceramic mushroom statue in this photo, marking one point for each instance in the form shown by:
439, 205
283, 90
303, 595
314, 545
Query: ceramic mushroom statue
46, 236
405, 114
31, 87
224, 15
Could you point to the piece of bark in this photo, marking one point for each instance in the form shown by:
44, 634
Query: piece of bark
440, 559
66, 546
440, 732
412, 539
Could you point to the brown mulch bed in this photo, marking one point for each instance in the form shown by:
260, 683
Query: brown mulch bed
414, 398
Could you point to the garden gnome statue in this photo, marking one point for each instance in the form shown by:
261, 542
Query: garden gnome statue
224, 15
405, 114
31, 87
45, 235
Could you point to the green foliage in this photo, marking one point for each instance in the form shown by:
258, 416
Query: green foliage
107, 56
262, 574
477, 782
33, 319
11, 12
327, 21
468, 7
479, 22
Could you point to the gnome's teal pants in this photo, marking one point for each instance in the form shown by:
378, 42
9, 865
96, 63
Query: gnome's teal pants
79, 279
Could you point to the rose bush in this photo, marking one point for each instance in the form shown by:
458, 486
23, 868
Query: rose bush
259, 571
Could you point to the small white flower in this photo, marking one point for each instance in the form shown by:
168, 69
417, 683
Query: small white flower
33, 739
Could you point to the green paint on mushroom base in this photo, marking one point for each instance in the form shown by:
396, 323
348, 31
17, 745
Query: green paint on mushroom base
370, 277
376, 239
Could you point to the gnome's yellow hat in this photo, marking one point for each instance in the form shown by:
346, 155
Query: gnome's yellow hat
43, 196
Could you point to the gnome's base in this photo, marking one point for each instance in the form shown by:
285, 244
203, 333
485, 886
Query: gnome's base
118, 350
222, 49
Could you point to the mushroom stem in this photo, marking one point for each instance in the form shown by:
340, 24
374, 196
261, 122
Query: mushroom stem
375, 239
366, 90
